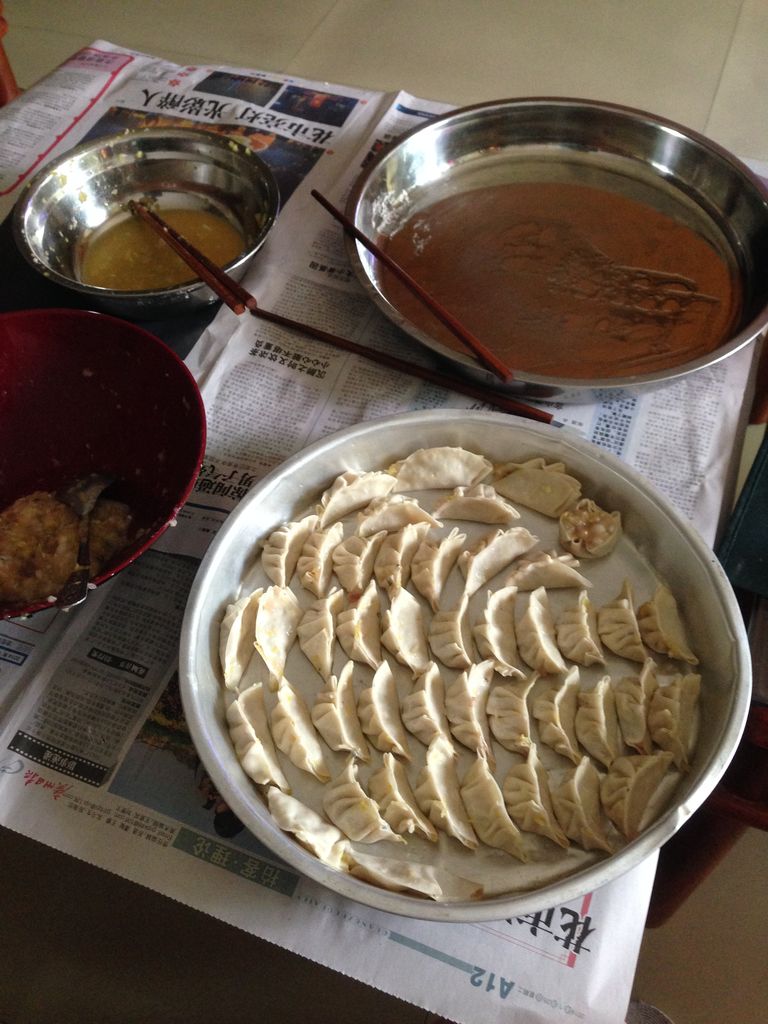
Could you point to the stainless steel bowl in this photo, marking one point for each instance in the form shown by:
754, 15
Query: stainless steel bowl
660, 536
616, 149
68, 200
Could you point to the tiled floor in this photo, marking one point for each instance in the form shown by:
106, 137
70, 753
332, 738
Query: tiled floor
701, 62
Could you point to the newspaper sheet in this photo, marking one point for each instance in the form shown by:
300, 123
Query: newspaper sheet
95, 757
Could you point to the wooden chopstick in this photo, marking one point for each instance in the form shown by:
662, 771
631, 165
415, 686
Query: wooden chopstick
239, 300
479, 350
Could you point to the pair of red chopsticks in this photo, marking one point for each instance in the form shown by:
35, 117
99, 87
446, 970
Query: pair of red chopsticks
239, 300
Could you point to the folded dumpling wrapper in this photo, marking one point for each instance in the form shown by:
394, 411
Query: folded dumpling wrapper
283, 547
432, 564
661, 626
672, 717
479, 504
334, 715
354, 812
423, 709
629, 787
249, 731
327, 842
494, 553
576, 802
351, 491
295, 735
484, 802
390, 788
633, 698
465, 707
441, 467
406, 876
236, 637
527, 798
378, 707
617, 626
544, 487
277, 620
536, 640
438, 795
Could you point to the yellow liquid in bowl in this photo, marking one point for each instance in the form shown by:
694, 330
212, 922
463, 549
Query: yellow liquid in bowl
128, 256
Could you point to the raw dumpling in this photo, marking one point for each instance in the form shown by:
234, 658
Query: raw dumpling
317, 631
495, 633
508, 715
555, 711
662, 628
391, 790
629, 787
392, 567
324, 840
404, 876
334, 715
358, 629
484, 803
249, 731
576, 802
672, 717
351, 491
444, 467
392, 514
546, 570
282, 549
544, 488
237, 636
527, 798
494, 553
403, 631
423, 709
446, 635
618, 629
351, 809
438, 796
277, 620
354, 558
379, 709
315, 564
480, 504
576, 633
588, 531
295, 734
536, 636
465, 708
597, 726
432, 564
633, 699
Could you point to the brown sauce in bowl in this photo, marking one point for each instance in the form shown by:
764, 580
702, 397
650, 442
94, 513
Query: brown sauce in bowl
566, 280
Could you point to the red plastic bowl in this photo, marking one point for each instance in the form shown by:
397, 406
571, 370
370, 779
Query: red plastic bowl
84, 392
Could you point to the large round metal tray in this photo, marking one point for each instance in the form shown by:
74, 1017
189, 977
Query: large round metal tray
659, 538
615, 149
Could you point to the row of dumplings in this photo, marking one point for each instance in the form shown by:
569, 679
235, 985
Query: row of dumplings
273, 619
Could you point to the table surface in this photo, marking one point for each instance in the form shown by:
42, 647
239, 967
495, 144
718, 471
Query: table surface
103, 949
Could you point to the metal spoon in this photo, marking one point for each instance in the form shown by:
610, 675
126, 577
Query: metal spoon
81, 497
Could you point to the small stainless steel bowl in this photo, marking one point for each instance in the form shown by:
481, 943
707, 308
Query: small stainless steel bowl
69, 199
616, 149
